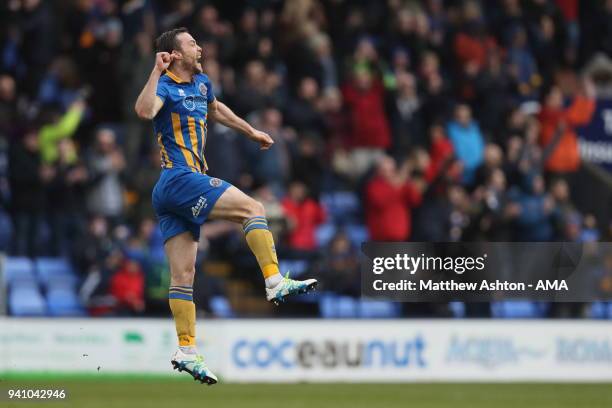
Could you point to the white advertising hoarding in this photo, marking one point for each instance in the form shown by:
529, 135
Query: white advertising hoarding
320, 350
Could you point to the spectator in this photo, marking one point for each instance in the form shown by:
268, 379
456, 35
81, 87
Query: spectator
136, 62
363, 96
8, 105
67, 182
273, 171
322, 47
389, 198
558, 127
308, 165
564, 207
38, 40
143, 180
304, 215
493, 90
341, 267
533, 211
493, 160
61, 85
100, 65
127, 287
523, 66
92, 248
493, 223
27, 177
406, 116
467, 140
472, 43
440, 152
106, 162
64, 127
275, 213
302, 113
252, 88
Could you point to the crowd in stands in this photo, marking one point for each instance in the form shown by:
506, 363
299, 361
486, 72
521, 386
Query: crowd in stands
433, 120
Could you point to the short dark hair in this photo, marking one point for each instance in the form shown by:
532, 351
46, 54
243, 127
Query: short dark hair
167, 41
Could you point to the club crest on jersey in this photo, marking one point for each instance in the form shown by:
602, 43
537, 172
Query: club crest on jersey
215, 182
202, 89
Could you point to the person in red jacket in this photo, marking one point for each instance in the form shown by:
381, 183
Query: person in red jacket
389, 197
555, 120
127, 287
364, 96
440, 152
304, 215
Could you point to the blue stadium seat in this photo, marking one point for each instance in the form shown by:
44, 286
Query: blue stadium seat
54, 272
518, 309
18, 269
62, 302
341, 206
333, 306
357, 233
26, 300
324, 234
601, 310
221, 307
457, 308
296, 267
378, 309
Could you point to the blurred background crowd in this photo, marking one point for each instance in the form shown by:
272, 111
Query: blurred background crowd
394, 121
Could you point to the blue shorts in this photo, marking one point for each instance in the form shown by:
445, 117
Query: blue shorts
183, 199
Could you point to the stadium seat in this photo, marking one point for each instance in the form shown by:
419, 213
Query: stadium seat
457, 309
62, 302
357, 233
221, 307
517, 309
601, 310
378, 309
26, 300
55, 272
342, 307
18, 269
296, 267
324, 234
342, 206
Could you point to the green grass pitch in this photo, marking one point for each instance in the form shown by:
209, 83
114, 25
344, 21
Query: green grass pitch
161, 393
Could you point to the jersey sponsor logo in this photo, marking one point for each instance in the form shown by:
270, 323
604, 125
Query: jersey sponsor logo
181, 92
192, 102
215, 182
202, 88
195, 210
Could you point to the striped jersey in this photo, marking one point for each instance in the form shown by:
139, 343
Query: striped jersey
180, 125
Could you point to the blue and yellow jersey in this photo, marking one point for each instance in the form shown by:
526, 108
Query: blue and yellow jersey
180, 125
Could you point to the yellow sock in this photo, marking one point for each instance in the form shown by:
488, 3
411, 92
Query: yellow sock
261, 243
183, 310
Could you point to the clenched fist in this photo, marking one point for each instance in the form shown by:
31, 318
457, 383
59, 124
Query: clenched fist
163, 61
265, 140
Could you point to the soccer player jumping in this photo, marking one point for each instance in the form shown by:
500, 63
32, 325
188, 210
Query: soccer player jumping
180, 99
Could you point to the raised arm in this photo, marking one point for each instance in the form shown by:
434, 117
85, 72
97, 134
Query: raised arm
148, 103
221, 113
